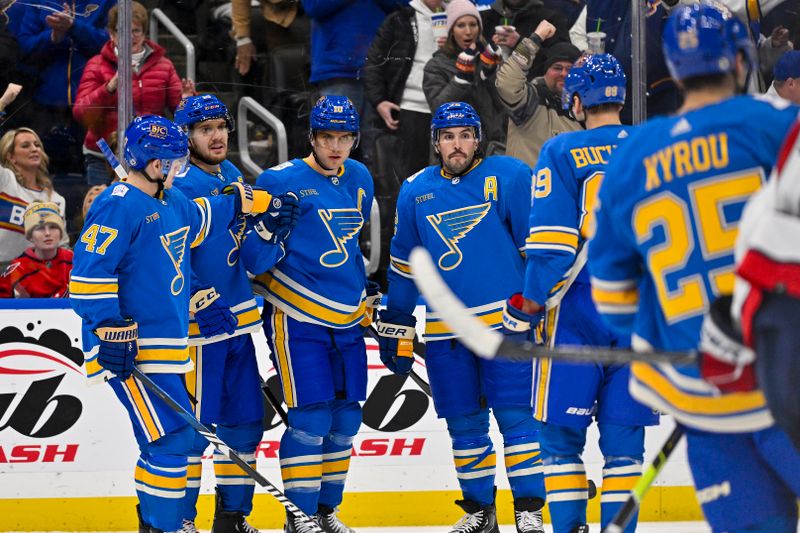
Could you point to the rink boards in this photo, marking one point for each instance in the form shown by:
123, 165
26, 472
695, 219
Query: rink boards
67, 451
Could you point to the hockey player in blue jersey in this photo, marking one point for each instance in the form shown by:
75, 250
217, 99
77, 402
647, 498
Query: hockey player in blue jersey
663, 251
316, 300
567, 396
131, 286
225, 383
471, 213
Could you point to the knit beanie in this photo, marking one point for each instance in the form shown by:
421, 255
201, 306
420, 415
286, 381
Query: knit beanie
459, 8
40, 213
561, 52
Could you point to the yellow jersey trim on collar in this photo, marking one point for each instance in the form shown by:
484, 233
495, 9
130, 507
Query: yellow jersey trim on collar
446, 176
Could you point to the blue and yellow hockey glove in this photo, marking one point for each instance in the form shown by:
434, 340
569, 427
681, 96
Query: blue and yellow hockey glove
519, 324
396, 340
278, 221
118, 346
373, 301
212, 313
248, 200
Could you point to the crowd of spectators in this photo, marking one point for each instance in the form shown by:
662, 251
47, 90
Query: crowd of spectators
395, 59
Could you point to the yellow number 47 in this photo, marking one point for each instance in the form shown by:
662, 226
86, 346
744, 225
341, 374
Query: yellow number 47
90, 236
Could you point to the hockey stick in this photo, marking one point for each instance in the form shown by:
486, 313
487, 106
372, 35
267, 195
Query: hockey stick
112, 159
421, 383
490, 344
273, 402
225, 450
631, 505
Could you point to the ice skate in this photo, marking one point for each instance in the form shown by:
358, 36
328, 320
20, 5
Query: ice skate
294, 524
528, 515
479, 519
329, 522
188, 527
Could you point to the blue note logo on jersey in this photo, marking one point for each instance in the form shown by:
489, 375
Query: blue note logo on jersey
343, 225
175, 245
237, 233
452, 226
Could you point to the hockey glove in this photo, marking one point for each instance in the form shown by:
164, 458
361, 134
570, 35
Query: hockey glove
724, 359
280, 218
373, 301
212, 313
118, 347
519, 324
248, 200
465, 66
396, 343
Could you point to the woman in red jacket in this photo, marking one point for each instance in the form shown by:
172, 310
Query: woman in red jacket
156, 89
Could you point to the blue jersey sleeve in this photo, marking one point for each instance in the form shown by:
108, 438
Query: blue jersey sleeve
614, 263
259, 256
554, 233
99, 257
403, 294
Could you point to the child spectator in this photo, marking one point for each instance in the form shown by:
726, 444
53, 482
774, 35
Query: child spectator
42, 271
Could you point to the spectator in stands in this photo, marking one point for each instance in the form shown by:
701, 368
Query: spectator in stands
393, 80
535, 108
8, 60
341, 32
771, 48
456, 73
23, 179
284, 24
786, 82
42, 271
613, 17
156, 89
521, 17
58, 38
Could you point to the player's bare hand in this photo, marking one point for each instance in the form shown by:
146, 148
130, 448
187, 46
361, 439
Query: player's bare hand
244, 57
545, 30
385, 109
779, 37
187, 88
10, 94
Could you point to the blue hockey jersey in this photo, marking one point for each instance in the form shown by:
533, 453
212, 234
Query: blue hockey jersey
322, 278
568, 174
474, 226
668, 220
132, 261
216, 263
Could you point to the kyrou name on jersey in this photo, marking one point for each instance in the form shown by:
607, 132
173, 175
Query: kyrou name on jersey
687, 157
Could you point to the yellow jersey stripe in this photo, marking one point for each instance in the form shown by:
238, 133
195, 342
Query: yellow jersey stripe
621, 297
553, 237
567, 482
726, 404
79, 287
619, 483
514, 460
436, 327
284, 365
310, 307
136, 394
161, 482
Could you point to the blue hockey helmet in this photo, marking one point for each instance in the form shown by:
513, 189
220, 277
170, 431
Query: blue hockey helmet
334, 113
152, 137
597, 79
453, 115
699, 40
194, 109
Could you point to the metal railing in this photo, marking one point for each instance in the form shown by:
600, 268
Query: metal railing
249, 104
246, 104
157, 16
